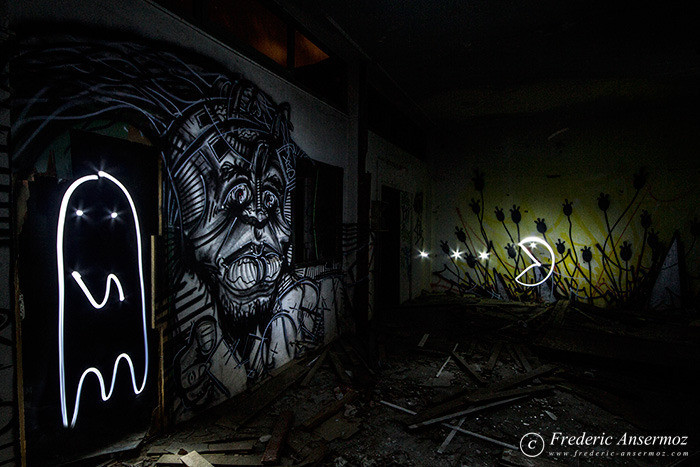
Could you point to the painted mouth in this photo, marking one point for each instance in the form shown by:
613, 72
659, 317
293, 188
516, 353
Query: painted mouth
245, 274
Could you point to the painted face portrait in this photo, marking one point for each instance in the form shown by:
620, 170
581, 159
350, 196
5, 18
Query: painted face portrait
234, 196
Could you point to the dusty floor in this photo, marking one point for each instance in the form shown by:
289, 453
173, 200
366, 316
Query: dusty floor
366, 432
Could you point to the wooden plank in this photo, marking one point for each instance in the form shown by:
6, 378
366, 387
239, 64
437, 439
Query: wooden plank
321, 416
450, 436
279, 434
494, 356
213, 459
461, 413
455, 428
234, 446
468, 368
511, 352
437, 375
483, 396
521, 356
242, 408
195, 459
169, 459
495, 391
233, 459
423, 340
519, 379
316, 366
339, 369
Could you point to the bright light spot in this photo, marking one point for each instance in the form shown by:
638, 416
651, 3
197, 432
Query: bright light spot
113, 215
424, 254
79, 212
484, 255
457, 254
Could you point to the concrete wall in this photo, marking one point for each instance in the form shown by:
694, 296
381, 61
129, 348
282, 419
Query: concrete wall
391, 166
539, 163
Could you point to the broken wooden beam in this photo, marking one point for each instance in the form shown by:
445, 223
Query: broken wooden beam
325, 413
494, 356
437, 375
195, 459
450, 436
279, 434
423, 340
461, 413
212, 459
468, 368
455, 428
521, 356
463, 403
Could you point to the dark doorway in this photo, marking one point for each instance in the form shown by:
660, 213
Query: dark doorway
388, 245
86, 238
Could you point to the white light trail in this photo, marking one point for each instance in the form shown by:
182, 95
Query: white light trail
534, 241
110, 278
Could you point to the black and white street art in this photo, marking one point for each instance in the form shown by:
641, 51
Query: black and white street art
238, 307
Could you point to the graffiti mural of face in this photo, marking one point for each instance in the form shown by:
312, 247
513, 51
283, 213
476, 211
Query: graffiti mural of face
241, 234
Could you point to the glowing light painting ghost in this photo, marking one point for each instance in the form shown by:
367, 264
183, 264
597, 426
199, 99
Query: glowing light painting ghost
97, 235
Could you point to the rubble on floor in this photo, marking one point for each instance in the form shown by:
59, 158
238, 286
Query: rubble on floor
450, 384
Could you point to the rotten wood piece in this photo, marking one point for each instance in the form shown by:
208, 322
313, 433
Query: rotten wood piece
321, 416
279, 435
468, 368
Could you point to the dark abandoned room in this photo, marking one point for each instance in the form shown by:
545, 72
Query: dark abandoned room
268, 232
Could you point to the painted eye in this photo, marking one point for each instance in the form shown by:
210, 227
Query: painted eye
269, 200
240, 194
